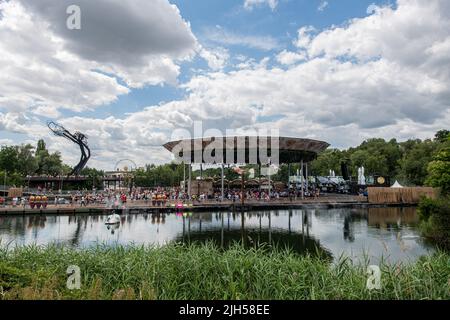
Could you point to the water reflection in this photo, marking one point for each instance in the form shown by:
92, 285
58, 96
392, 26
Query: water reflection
388, 232
113, 227
255, 237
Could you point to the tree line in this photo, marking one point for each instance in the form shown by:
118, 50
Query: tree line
406, 161
20, 161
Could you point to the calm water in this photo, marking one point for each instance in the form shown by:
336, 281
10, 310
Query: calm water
388, 232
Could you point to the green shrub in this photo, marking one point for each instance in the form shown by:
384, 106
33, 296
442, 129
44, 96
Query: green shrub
435, 220
427, 207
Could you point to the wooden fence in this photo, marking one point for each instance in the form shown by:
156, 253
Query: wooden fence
400, 195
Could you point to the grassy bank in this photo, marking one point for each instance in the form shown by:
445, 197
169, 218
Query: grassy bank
206, 272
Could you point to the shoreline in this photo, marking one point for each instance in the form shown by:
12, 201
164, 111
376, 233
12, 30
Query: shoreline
200, 207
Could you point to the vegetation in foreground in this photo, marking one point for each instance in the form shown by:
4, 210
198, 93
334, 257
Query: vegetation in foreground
206, 272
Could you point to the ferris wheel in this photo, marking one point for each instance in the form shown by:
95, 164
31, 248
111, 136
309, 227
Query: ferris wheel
125, 165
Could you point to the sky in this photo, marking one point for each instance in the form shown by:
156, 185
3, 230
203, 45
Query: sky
137, 72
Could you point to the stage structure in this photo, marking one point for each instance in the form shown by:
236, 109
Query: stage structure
79, 138
241, 150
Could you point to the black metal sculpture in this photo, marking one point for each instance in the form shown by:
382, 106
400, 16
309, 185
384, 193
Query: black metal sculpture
79, 138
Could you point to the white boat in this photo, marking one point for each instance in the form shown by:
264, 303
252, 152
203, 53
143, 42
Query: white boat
113, 219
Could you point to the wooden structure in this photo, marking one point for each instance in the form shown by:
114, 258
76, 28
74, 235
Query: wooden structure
202, 186
400, 195
55, 182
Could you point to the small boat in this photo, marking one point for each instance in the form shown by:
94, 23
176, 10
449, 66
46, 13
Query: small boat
113, 219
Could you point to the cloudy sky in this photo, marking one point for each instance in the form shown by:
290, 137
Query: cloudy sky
337, 70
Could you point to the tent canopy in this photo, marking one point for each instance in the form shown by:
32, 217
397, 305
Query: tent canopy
397, 185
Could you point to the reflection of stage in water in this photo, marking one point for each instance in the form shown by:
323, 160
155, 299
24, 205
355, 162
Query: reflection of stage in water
349, 232
226, 235
36, 221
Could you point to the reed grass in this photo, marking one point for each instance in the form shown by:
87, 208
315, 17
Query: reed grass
204, 271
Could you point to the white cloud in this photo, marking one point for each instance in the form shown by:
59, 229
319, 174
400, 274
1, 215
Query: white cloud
19, 122
382, 94
44, 67
323, 5
288, 57
250, 4
401, 35
6, 142
222, 36
216, 58
305, 35
36, 72
117, 32
386, 75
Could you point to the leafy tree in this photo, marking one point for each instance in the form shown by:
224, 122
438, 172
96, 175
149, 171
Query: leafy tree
328, 160
94, 178
439, 169
442, 135
377, 156
41, 146
164, 175
26, 162
12, 179
374, 163
50, 164
8, 159
413, 165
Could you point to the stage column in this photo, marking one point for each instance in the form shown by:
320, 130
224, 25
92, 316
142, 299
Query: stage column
302, 178
222, 182
189, 182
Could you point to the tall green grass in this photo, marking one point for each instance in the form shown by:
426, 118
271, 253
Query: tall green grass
207, 272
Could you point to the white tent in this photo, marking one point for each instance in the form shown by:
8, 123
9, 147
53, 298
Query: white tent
396, 185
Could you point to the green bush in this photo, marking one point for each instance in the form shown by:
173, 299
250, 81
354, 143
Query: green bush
427, 207
435, 220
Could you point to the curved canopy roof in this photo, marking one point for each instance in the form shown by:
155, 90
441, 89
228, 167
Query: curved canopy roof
246, 149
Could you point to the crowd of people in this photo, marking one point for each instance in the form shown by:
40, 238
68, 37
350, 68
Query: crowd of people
151, 196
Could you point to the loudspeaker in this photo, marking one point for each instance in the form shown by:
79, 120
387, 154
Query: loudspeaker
344, 170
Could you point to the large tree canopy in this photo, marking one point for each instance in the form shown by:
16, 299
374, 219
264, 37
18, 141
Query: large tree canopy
19, 161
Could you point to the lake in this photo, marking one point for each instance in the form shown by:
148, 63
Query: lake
388, 233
